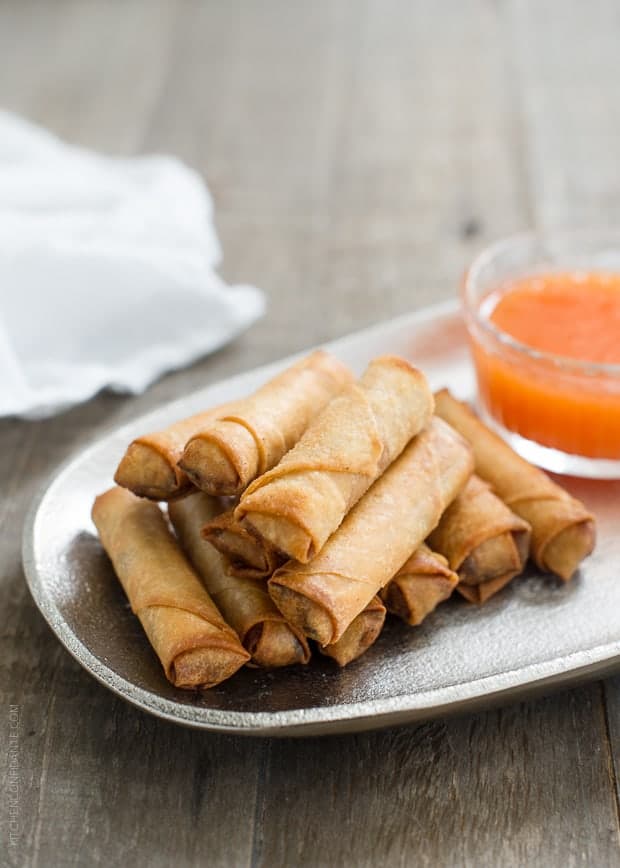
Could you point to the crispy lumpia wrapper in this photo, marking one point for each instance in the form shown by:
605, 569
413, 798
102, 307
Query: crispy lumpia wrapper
323, 597
228, 453
150, 468
361, 633
483, 592
483, 540
424, 581
487, 560
563, 530
195, 645
300, 503
248, 556
244, 603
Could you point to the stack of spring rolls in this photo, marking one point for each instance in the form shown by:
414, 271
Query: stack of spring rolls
298, 516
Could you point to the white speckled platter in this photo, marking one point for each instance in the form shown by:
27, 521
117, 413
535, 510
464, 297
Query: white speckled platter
536, 634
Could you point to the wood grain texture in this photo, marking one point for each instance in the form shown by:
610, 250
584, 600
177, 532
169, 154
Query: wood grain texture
611, 702
359, 154
565, 60
518, 786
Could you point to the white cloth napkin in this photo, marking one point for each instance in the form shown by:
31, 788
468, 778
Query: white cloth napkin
106, 272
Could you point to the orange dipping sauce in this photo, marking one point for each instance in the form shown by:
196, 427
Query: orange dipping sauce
566, 402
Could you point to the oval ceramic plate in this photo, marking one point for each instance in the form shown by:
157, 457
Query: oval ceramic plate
535, 634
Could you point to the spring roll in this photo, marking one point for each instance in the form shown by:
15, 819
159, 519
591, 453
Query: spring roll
483, 540
244, 603
323, 597
247, 556
424, 581
563, 531
232, 450
195, 645
361, 633
149, 466
300, 503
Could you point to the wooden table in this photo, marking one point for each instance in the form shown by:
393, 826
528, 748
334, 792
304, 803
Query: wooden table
359, 153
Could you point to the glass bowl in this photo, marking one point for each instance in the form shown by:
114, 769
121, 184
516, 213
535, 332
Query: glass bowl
560, 413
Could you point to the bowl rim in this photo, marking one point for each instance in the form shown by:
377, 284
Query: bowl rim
472, 311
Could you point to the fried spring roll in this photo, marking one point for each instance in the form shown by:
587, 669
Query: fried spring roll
195, 645
483, 540
323, 597
300, 503
563, 531
150, 468
361, 633
248, 556
232, 450
424, 581
244, 603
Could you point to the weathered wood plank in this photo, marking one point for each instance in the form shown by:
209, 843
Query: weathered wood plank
99, 783
99, 779
90, 71
513, 787
524, 785
566, 65
359, 155
611, 693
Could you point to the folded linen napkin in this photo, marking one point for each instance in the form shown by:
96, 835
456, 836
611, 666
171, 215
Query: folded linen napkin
106, 272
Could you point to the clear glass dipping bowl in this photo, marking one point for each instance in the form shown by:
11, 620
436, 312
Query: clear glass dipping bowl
557, 412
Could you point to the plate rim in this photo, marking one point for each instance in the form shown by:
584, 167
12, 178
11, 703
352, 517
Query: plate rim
349, 716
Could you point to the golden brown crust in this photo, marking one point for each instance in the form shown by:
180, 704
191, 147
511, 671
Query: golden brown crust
146, 471
424, 581
227, 454
565, 549
149, 467
361, 633
494, 557
300, 503
196, 646
244, 603
323, 597
550, 511
483, 592
483, 540
272, 644
222, 457
476, 516
248, 556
